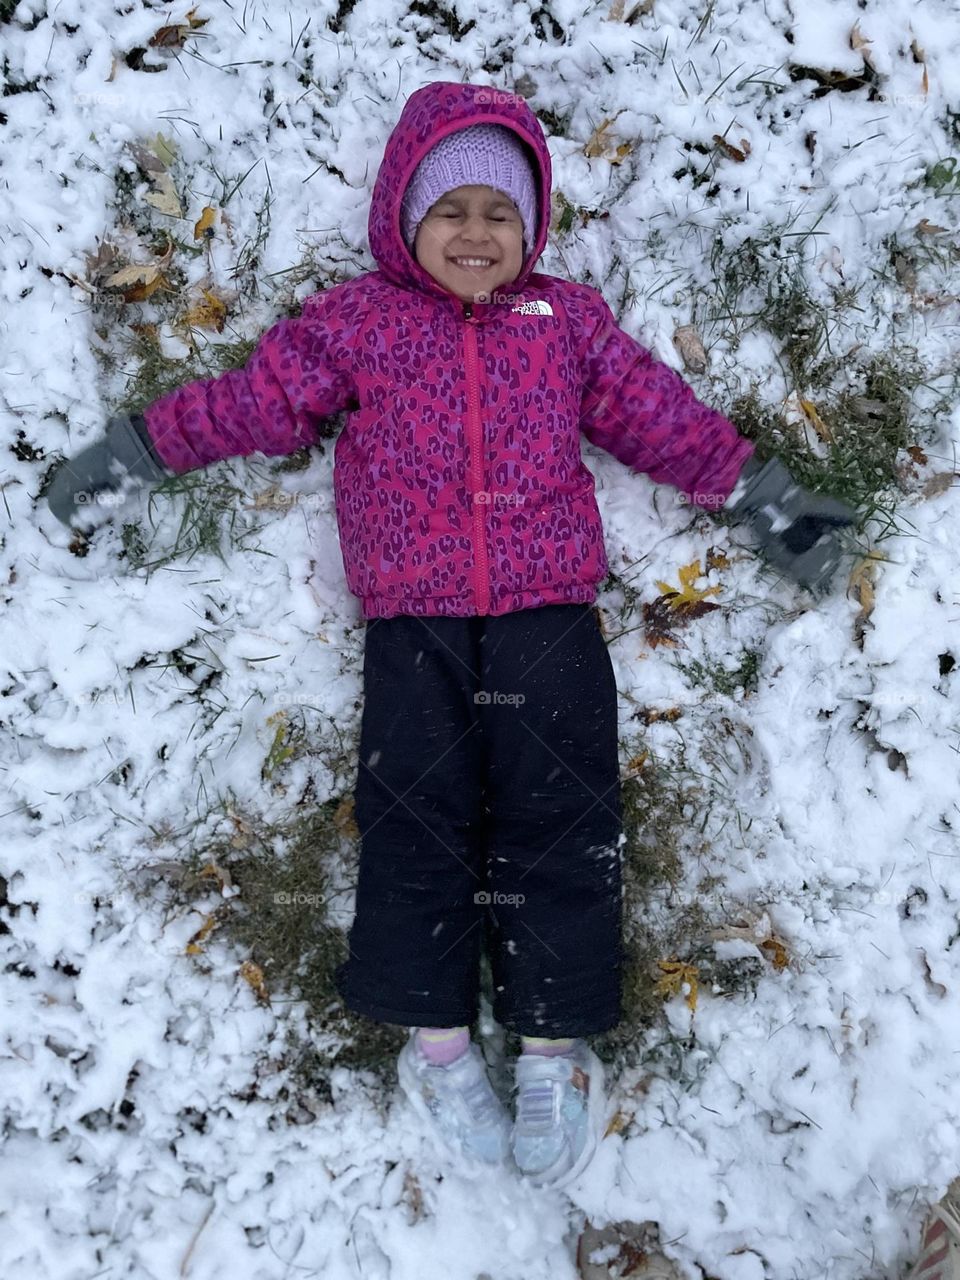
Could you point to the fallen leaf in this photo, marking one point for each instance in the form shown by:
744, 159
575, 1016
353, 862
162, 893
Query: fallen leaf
344, 820
215, 872
253, 975
688, 594
193, 946
210, 314
716, 560
636, 765
692, 352
938, 483
676, 975
776, 952
658, 623
861, 44
204, 226
164, 196
812, 415
729, 150
598, 146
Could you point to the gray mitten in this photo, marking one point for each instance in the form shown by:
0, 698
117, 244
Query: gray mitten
123, 456
796, 527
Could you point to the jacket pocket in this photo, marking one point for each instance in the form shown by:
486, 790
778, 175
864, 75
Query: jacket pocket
556, 543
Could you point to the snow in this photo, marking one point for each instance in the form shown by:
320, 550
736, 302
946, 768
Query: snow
810, 1122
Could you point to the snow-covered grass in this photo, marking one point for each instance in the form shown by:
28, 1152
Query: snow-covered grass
181, 693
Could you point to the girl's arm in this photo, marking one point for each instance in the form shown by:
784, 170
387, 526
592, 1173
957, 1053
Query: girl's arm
637, 408
300, 371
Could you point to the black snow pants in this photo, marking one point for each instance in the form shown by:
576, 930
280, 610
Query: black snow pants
488, 803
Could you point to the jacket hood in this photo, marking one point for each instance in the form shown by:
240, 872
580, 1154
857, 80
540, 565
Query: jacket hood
429, 115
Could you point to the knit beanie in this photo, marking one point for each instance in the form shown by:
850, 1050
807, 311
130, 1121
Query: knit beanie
484, 154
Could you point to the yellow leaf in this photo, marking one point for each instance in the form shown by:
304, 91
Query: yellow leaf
635, 765
676, 975
813, 416
253, 974
207, 315
776, 952
598, 145
193, 946
204, 225
617, 1124
688, 593
164, 148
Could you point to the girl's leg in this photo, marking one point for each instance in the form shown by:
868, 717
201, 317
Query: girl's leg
555, 817
417, 931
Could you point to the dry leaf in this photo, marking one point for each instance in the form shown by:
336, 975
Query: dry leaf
164, 196
344, 820
862, 581
193, 946
813, 417
204, 226
687, 341
716, 560
676, 975
599, 146
730, 151
776, 952
650, 715
938, 483
635, 765
861, 43
214, 871
618, 1123
658, 623
211, 314
253, 974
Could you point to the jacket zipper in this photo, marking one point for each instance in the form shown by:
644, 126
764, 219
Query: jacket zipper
481, 578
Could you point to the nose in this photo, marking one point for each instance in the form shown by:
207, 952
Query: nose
474, 229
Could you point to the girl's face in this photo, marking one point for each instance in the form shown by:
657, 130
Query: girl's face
471, 222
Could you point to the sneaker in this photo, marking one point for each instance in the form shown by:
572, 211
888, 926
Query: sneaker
560, 1107
940, 1243
457, 1102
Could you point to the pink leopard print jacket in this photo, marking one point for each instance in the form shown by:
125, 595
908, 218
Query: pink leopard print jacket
458, 481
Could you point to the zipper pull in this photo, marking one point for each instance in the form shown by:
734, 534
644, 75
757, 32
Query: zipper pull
468, 310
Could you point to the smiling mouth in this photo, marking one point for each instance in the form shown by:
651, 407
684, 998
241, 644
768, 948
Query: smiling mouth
473, 264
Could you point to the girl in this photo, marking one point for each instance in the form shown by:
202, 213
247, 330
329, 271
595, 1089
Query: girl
488, 782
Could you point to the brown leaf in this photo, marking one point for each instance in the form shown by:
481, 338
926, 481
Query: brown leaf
253, 974
730, 151
687, 341
658, 623
917, 454
344, 820
676, 975
938, 483
776, 952
209, 314
599, 146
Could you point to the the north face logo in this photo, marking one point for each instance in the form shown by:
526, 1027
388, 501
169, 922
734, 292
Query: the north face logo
534, 308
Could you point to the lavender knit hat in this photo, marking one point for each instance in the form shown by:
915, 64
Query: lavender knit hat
485, 154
